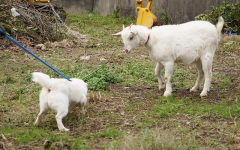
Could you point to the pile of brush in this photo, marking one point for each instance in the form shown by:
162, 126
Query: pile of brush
36, 22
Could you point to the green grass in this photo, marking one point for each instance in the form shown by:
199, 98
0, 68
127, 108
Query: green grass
110, 133
40, 136
89, 24
125, 109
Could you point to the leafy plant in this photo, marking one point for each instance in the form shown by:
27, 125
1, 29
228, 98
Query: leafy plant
100, 79
229, 12
116, 13
164, 18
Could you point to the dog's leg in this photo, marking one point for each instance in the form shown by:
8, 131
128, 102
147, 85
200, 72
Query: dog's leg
43, 110
59, 118
82, 105
39, 116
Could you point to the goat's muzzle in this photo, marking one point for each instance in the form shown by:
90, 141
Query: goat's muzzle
127, 51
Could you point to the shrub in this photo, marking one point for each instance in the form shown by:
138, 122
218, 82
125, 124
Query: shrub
229, 12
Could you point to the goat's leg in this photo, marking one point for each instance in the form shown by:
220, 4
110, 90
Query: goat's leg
60, 115
167, 77
207, 69
158, 69
199, 78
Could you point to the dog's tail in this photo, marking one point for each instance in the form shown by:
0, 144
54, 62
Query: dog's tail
42, 79
219, 26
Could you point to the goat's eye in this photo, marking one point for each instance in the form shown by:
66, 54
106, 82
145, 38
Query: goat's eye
131, 38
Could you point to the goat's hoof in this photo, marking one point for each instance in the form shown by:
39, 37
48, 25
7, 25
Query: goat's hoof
166, 94
192, 90
203, 94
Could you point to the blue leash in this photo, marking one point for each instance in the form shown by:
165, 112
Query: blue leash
31, 53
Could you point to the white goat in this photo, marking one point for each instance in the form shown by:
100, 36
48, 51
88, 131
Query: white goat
192, 42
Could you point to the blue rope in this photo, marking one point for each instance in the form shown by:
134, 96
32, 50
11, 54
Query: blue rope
31, 53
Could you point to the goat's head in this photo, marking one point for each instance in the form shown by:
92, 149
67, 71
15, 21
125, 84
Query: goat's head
129, 37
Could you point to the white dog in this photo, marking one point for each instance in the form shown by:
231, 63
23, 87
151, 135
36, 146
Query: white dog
60, 95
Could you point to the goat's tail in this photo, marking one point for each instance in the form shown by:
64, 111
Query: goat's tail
220, 26
42, 79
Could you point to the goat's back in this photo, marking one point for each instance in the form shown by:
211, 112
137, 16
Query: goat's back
184, 42
193, 29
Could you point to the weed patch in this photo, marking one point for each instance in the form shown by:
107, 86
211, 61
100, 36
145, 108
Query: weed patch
100, 79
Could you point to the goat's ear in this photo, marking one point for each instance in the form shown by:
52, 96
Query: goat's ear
130, 26
117, 34
134, 32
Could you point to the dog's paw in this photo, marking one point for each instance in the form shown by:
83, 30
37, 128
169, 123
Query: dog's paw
83, 112
36, 123
64, 129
